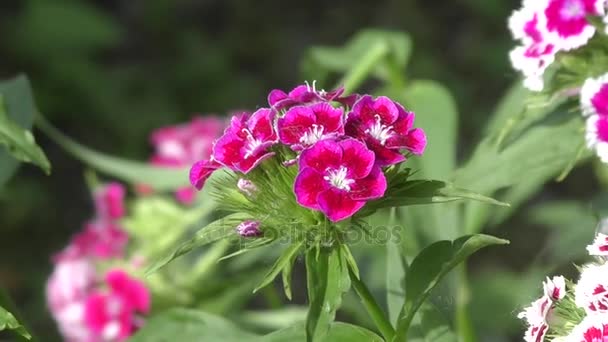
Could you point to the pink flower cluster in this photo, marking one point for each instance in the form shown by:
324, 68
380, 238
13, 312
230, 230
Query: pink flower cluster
341, 143
184, 144
545, 27
89, 307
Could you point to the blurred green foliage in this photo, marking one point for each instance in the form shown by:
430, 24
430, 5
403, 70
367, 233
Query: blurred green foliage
108, 72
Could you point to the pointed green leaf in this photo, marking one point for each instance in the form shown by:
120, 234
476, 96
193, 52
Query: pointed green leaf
327, 279
286, 258
413, 192
9, 322
216, 230
430, 266
130, 171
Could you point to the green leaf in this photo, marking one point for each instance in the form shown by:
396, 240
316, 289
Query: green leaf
281, 318
284, 260
535, 153
216, 230
323, 60
130, 171
430, 266
190, 325
20, 109
431, 325
413, 192
9, 322
327, 279
338, 332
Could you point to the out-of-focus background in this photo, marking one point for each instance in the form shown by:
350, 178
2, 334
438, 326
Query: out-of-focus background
108, 72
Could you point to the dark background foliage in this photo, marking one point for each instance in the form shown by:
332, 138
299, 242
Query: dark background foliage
107, 72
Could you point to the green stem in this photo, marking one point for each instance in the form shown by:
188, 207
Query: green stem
373, 309
357, 74
464, 327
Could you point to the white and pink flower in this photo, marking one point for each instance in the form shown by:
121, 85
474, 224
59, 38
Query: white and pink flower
596, 135
593, 328
555, 288
594, 96
567, 24
591, 291
599, 247
536, 318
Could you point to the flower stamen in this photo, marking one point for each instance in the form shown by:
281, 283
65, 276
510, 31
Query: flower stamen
380, 131
338, 178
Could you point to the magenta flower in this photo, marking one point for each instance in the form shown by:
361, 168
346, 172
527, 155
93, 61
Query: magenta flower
246, 142
109, 201
566, 21
338, 177
386, 127
112, 315
303, 126
249, 228
201, 171
305, 94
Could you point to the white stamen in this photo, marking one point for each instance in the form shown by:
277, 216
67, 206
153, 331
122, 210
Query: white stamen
252, 143
337, 178
379, 131
314, 134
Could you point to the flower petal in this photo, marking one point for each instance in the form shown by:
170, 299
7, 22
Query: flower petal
384, 156
322, 155
357, 158
247, 164
200, 172
261, 124
329, 117
275, 96
307, 186
294, 124
371, 187
227, 150
337, 205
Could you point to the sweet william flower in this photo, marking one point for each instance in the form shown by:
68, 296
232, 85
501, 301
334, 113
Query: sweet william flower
591, 291
109, 201
249, 228
594, 96
596, 136
386, 127
555, 288
306, 94
111, 314
201, 171
593, 328
338, 177
566, 21
536, 317
302, 126
599, 247
246, 141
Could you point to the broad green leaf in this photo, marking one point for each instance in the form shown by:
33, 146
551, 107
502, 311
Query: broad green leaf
323, 60
190, 325
537, 152
413, 192
338, 332
216, 230
327, 279
9, 322
286, 258
131, 171
437, 114
20, 108
430, 266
